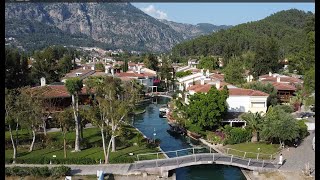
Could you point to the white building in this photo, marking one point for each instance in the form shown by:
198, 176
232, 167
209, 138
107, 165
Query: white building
239, 100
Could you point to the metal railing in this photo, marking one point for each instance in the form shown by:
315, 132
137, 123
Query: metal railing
252, 155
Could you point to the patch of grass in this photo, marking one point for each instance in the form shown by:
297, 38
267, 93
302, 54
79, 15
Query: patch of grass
265, 150
91, 135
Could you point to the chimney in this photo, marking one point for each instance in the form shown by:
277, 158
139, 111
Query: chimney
84, 68
207, 73
202, 81
92, 67
139, 69
112, 72
202, 71
43, 81
106, 69
278, 79
270, 73
218, 85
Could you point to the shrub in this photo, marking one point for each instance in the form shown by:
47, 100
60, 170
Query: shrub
286, 108
303, 129
60, 171
37, 171
212, 137
237, 135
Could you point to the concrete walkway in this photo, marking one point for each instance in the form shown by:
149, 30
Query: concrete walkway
297, 158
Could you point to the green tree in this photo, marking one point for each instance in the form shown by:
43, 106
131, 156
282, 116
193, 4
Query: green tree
166, 71
99, 67
279, 126
183, 73
266, 57
151, 62
253, 121
113, 101
209, 62
65, 120
267, 88
10, 117
17, 70
125, 66
234, 72
31, 110
74, 87
207, 110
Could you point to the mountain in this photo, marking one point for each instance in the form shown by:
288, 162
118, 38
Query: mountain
105, 25
189, 31
286, 27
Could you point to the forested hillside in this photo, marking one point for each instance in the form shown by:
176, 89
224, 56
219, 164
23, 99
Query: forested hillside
288, 29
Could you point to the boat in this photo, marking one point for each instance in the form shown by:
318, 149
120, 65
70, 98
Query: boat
163, 111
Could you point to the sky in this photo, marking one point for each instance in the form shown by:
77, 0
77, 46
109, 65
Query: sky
217, 13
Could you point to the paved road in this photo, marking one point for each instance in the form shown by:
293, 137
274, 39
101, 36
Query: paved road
296, 158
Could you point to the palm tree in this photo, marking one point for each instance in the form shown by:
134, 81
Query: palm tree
74, 86
253, 121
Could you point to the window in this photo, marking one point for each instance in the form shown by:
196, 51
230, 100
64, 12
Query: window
257, 104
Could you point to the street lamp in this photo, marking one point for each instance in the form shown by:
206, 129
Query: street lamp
154, 135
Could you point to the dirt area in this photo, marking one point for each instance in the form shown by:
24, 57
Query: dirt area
278, 175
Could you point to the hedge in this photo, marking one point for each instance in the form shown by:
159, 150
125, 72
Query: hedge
37, 171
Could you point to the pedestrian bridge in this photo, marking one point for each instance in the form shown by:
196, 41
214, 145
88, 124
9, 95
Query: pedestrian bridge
192, 157
162, 94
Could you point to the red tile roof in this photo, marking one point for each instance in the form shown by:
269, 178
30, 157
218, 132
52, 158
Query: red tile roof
246, 92
56, 91
218, 76
282, 79
232, 91
134, 74
283, 86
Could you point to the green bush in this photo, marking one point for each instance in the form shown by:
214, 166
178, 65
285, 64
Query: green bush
212, 137
286, 108
60, 171
236, 135
121, 159
37, 171
303, 129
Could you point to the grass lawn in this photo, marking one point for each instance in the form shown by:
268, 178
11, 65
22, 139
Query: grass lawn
91, 136
265, 149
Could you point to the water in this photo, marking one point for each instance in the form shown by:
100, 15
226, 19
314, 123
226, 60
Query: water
150, 123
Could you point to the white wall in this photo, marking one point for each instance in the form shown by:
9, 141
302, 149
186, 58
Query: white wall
238, 103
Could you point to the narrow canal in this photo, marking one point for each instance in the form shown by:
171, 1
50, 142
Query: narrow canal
150, 122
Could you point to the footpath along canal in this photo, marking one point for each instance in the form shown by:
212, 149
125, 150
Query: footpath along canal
150, 123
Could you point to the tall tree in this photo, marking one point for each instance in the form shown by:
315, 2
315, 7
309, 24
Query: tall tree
74, 87
17, 69
112, 102
279, 126
210, 63
65, 120
151, 62
207, 110
31, 109
266, 57
10, 119
234, 72
254, 122
267, 88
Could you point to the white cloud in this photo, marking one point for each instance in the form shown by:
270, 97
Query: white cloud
152, 11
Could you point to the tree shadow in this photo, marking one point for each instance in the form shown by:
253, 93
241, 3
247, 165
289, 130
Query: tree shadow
110, 177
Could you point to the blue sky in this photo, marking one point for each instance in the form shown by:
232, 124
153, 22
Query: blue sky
217, 13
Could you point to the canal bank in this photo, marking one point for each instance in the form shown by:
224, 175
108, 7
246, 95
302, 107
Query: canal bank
150, 123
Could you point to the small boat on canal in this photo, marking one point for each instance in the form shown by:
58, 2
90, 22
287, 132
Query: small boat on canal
163, 110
